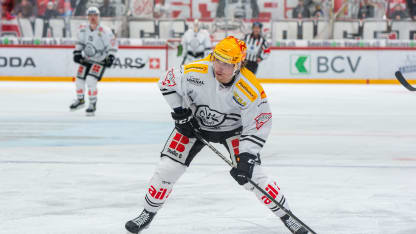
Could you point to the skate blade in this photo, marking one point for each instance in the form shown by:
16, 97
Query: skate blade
90, 114
75, 109
128, 232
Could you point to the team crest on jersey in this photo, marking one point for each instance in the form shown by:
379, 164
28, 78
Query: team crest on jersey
169, 79
195, 81
261, 119
240, 101
209, 117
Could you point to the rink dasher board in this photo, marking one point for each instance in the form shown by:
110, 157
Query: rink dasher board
284, 65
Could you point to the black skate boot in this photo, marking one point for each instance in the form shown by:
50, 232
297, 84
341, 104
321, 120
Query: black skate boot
142, 222
90, 111
77, 104
293, 225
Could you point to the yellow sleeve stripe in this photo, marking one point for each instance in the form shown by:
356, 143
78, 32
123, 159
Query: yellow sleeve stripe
246, 90
253, 80
201, 68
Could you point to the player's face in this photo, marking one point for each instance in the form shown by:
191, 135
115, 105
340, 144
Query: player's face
223, 71
93, 19
256, 30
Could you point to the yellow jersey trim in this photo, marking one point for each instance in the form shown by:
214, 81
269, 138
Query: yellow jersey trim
253, 80
246, 90
192, 67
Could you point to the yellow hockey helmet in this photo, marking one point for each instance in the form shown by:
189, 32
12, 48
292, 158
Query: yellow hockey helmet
230, 50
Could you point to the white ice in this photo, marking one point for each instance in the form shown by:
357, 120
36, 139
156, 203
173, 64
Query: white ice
345, 157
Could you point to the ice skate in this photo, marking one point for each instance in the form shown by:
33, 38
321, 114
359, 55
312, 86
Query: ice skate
137, 225
294, 226
90, 111
77, 104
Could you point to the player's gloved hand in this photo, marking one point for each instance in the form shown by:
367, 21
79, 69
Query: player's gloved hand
244, 169
109, 60
185, 123
78, 57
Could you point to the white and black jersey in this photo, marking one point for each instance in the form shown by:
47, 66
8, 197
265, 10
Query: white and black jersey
96, 44
257, 47
196, 45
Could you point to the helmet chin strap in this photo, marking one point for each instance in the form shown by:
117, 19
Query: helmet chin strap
237, 69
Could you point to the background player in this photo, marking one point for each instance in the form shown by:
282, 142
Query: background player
257, 47
94, 51
226, 104
196, 43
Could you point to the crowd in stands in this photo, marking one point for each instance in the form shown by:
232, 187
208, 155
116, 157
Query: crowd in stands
50, 8
391, 9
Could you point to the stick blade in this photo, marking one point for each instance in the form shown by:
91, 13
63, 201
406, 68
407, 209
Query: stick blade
403, 81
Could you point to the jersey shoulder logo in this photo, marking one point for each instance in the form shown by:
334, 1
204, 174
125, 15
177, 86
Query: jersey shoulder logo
261, 119
246, 90
238, 99
200, 68
169, 79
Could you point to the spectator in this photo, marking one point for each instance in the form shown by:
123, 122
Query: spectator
162, 10
220, 8
42, 5
238, 9
7, 8
300, 11
50, 11
366, 10
398, 13
318, 13
107, 10
24, 9
80, 7
411, 4
5, 12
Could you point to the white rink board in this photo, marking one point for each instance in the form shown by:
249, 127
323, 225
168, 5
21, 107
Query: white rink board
52, 62
337, 64
312, 63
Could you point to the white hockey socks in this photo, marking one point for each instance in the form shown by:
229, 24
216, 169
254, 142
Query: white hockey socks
271, 187
161, 183
92, 88
80, 86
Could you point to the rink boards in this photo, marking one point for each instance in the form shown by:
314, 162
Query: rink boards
284, 65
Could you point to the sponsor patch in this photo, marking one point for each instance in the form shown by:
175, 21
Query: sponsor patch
247, 90
81, 71
195, 81
169, 79
240, 101
96, 70
201, 68
261, 119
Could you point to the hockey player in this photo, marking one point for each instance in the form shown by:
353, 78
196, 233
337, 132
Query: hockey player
257, 47
196, 43
222, 100
94, 51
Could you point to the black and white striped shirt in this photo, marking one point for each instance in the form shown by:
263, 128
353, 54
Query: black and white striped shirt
257, 47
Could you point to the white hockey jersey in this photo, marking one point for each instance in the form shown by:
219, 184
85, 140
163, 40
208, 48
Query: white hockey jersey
96, 45
196, 42
221, 108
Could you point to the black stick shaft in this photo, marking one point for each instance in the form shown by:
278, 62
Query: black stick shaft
403, 81
253, 183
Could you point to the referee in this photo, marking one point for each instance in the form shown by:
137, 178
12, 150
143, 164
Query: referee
257, 47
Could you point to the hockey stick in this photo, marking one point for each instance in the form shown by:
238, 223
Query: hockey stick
288, 212
403, 81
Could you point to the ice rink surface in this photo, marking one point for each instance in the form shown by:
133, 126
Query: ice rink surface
344, 156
